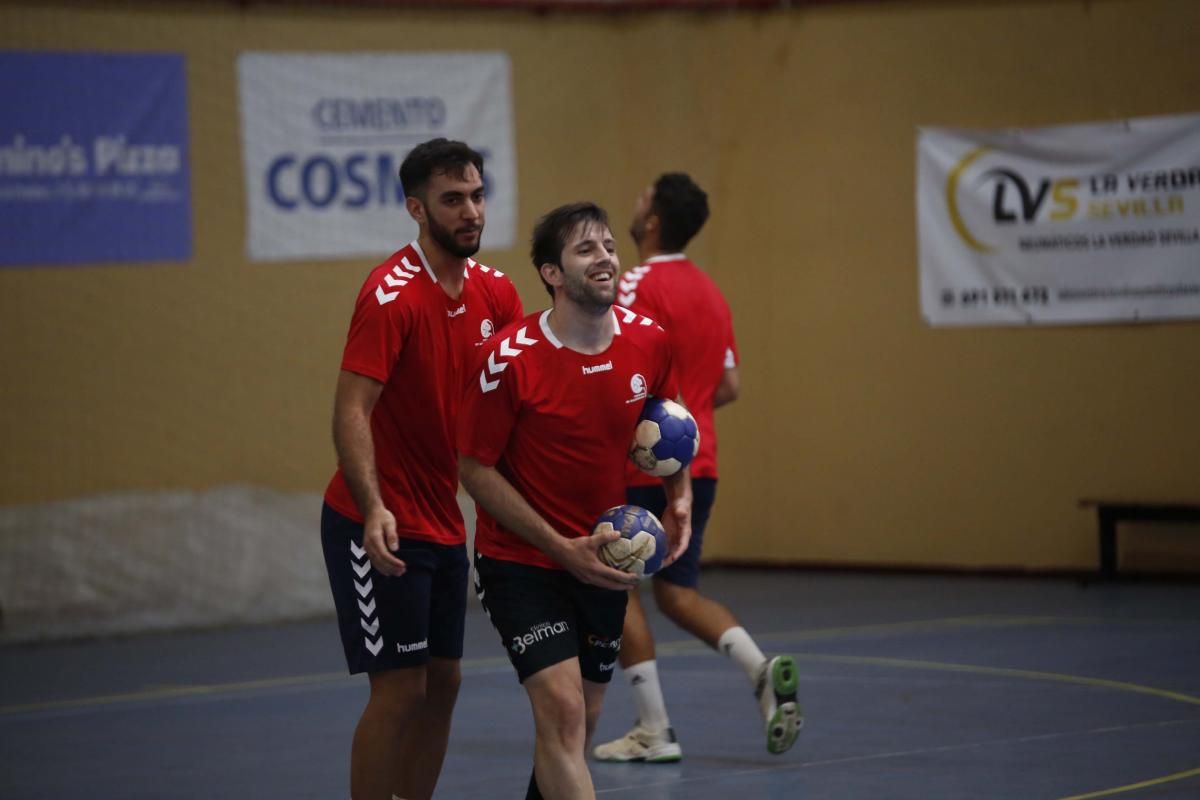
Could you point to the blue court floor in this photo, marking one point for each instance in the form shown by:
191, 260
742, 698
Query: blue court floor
912, 686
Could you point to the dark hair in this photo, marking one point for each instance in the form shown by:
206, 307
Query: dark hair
681, 207
551, 233
436, 155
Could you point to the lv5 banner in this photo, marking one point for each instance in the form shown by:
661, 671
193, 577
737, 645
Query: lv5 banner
1071, 224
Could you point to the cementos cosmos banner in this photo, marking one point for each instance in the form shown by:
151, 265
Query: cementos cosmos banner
323, 137
93, 158
1077, 223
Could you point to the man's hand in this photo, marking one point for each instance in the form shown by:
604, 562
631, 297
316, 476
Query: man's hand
581, 557
380, 541
677, 522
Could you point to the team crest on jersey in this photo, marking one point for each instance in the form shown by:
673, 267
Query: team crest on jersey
637, 385
486, 329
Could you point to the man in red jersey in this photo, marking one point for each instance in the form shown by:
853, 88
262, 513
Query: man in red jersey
685, 301
543, 439
391, 527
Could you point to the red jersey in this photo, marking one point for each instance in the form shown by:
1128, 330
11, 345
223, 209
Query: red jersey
557, 423
687, 303
409, 335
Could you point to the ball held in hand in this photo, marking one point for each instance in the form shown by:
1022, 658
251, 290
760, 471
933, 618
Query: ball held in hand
643, 543
666, 438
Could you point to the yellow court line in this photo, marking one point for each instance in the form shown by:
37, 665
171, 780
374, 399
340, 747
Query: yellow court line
1060, 677
174, 692
678, 647
1133, 787
1035, 675
167, 692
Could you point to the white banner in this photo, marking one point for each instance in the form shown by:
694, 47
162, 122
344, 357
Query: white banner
1070, 224
323, 137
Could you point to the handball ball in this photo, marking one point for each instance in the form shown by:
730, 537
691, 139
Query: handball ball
665, 439
643, 542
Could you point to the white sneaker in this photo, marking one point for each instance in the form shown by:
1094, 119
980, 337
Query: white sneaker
641, 744
776, 693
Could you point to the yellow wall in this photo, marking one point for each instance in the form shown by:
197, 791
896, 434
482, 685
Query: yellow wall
863, 435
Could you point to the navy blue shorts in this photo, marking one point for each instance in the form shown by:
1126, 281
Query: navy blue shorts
394, 622
686, 570
546, 616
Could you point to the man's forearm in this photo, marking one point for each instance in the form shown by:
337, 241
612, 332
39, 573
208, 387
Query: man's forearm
678, 486
506, 505
356, 456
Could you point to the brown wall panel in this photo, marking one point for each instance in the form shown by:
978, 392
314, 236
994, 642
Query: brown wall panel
862, 436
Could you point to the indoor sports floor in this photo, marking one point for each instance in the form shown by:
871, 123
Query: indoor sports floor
912, 686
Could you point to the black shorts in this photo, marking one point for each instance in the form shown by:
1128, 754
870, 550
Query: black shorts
394, 622
545, 616
686, 570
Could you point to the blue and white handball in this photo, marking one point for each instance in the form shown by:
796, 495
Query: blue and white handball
643, 543
666, 438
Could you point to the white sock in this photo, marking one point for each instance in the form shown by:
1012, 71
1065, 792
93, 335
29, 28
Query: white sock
647, 695
738, 645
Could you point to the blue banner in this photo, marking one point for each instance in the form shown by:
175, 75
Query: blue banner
93, 158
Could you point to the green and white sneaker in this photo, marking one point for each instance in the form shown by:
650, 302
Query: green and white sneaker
776, 693
641, 744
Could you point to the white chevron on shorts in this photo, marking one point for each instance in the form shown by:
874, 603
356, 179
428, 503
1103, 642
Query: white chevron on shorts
361, 566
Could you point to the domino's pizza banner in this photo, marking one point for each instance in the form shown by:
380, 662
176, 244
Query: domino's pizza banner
1072, 224
323, 137
93, 158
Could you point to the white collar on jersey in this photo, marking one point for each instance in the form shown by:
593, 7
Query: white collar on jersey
665, 257
544, 324
429, 270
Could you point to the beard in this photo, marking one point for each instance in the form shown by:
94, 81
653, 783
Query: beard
588, 295
449, 242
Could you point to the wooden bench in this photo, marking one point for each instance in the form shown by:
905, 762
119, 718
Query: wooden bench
1110, 512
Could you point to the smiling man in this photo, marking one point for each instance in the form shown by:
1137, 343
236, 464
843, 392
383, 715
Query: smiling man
542, 438
391, 528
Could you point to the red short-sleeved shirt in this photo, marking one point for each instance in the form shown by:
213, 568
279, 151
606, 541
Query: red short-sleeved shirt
681, 298
408, 334
557, 423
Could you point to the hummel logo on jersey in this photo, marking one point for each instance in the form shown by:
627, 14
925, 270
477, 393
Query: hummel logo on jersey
402, 276
409, 648
494, 367
605, 367
460, 310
